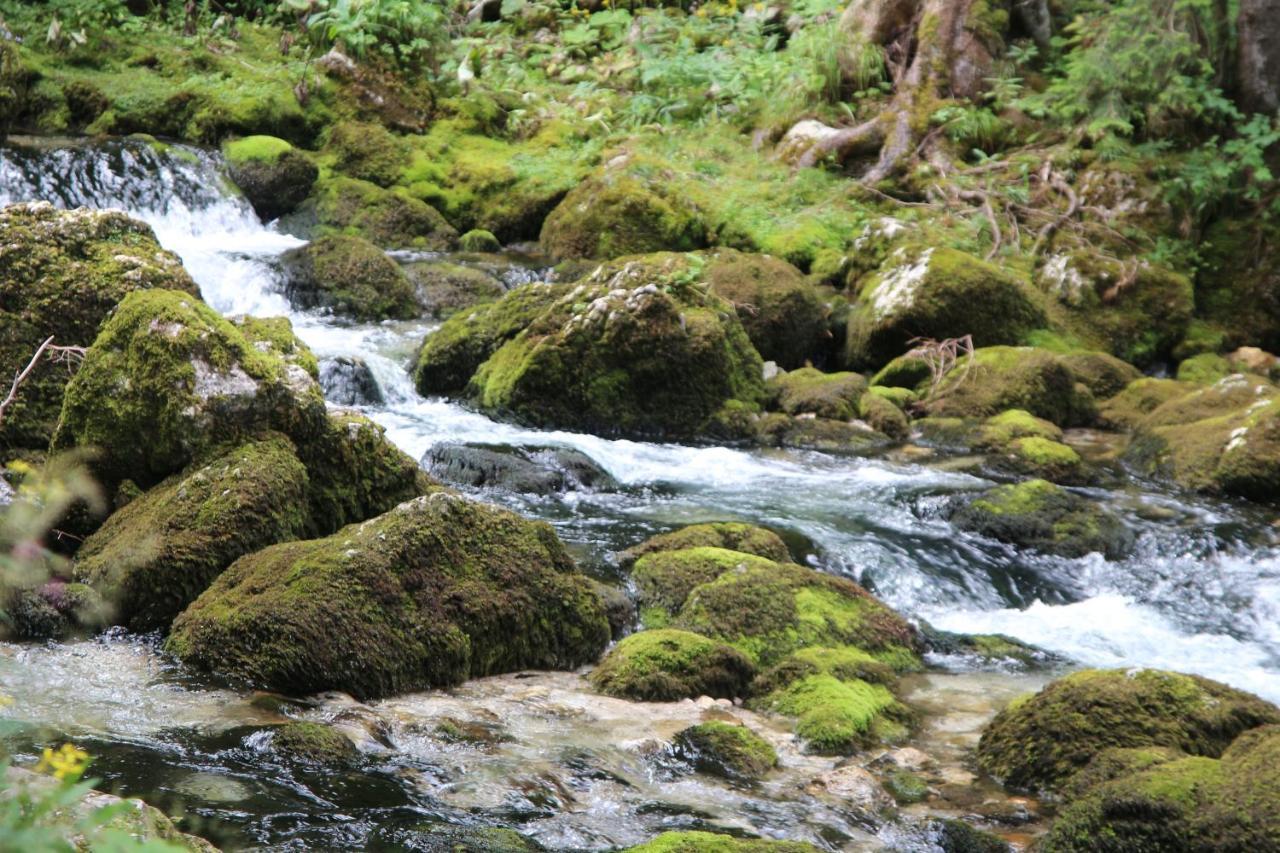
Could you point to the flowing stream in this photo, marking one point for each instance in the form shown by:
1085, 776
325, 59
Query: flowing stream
1201, 594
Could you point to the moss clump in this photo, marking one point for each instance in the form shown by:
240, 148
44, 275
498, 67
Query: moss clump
436, 591
779, 308
600, 357
61, 274
1204, 369
708, 842
612, 215
1042, 457
273, 175
999, 431
1039, 743
275, 335
156, 555
665, 665
367, 152
995, 379
883, 416
903, 372
1037, 514
313, 743
479, 241
387, 218
665, 578
810, 391
350, 277
838, 717
937, 293
729, 535
725, 749
168, 380
443, 288
1138, 399
1104, 375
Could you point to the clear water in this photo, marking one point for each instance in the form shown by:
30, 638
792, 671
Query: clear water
1201, 593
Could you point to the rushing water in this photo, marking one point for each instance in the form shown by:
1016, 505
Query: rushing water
1200, 594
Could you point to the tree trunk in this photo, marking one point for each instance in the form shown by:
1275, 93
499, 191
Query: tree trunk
1259, 67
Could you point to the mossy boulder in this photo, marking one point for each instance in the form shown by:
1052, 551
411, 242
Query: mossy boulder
156, 555
615, 214
730, 535
1043, 458
883, 416
810, 391
54, 610
366, 151
827, 435
274, 336
61, 274
436, 591
1039, 742
664, 579
1204, 369
387, 218
937, 293
600, 356
665, 665
726, 749
1103, 374
1037, 514
999, 431
1238, 288
350, 277
443, 288
168, 380
995, 379
1129, 406
1222, 439
709, 842
313, 743
780, 309
1181, 803
479, 241
273, 175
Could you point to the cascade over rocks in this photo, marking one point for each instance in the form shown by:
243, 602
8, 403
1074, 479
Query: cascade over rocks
525, 469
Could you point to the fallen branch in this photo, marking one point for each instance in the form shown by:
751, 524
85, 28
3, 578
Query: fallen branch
56, 354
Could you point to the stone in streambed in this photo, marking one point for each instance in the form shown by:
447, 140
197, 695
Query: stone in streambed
726, 749
348, 381
528, 470
666, 665
730, 535
1039, 515
273, 175
350, 277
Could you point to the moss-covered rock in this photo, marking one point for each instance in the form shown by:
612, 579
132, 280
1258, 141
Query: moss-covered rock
995, 650
838, 716
810, 391
387, 218
156, 555
366, 151
1103, 374
479, 241
665, 665
273, 175
937, 293
730, 535
1037, 514
1044, 458
350, 277
779, 308
1204, 369
1222, 439
61, 274
274, 335
54, 610
806, 432
1128, 407
168, 379
883, 416
999, 431
600, 356
443, 288
994, 379
314, 743
438, 590
615, 214
1182, 803
664, 579
708, 842
726, 749
1238, 288
1038, 742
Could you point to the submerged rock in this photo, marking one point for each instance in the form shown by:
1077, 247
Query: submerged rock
1038, 742
314, 743
436, 591
530, 470
273, 175
1037, 514
61, 274
725, 749
665, 665
348, 381
350, 277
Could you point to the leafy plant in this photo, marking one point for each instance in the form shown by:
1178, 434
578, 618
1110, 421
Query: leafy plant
404, 31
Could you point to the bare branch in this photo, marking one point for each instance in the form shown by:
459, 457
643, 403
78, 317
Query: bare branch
68, 355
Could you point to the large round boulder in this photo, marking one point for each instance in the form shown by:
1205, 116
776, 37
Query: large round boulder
616, 214
168, 379
665, 665
436, 591
350, 277
995, 379
779, 308
273, 175
1039, 742
387, 218
61, 274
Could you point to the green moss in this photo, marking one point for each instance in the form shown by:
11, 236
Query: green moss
845, 663
837, 717
1042, 741
255, 149
314, 743
1237, 286
883, 416
273, 175
436, 591
900, 397
664, 579
1104, 375
350, 277
728, 535
995, 379
443, 288
999, 431
1138, 399
810, 391
366, 151
275, 335
612, 215
707, 842
907, 372
1204, 369
906, 787
666, 665
725, 749
388, 218
478, 240
781, 311
61, 274
156, 555
1037, 514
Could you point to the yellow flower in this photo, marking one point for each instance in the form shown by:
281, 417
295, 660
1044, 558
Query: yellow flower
69, 762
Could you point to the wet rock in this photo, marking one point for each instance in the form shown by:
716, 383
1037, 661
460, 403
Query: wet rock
615, 214
273, 175
61, 274
1037, 514
666, 665
806, 432
781, 311
445, 288
619, 609
987, 649
313, 743
857, 787
996, 379
476, 732
725, 749
730, 535
1038, 742
441, 838
350, 277
522, 469
479, 241
904, 758
180, 381
348, 381
707, 842
956, 836
438, 590
1138, 399
906, 787
826, 395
